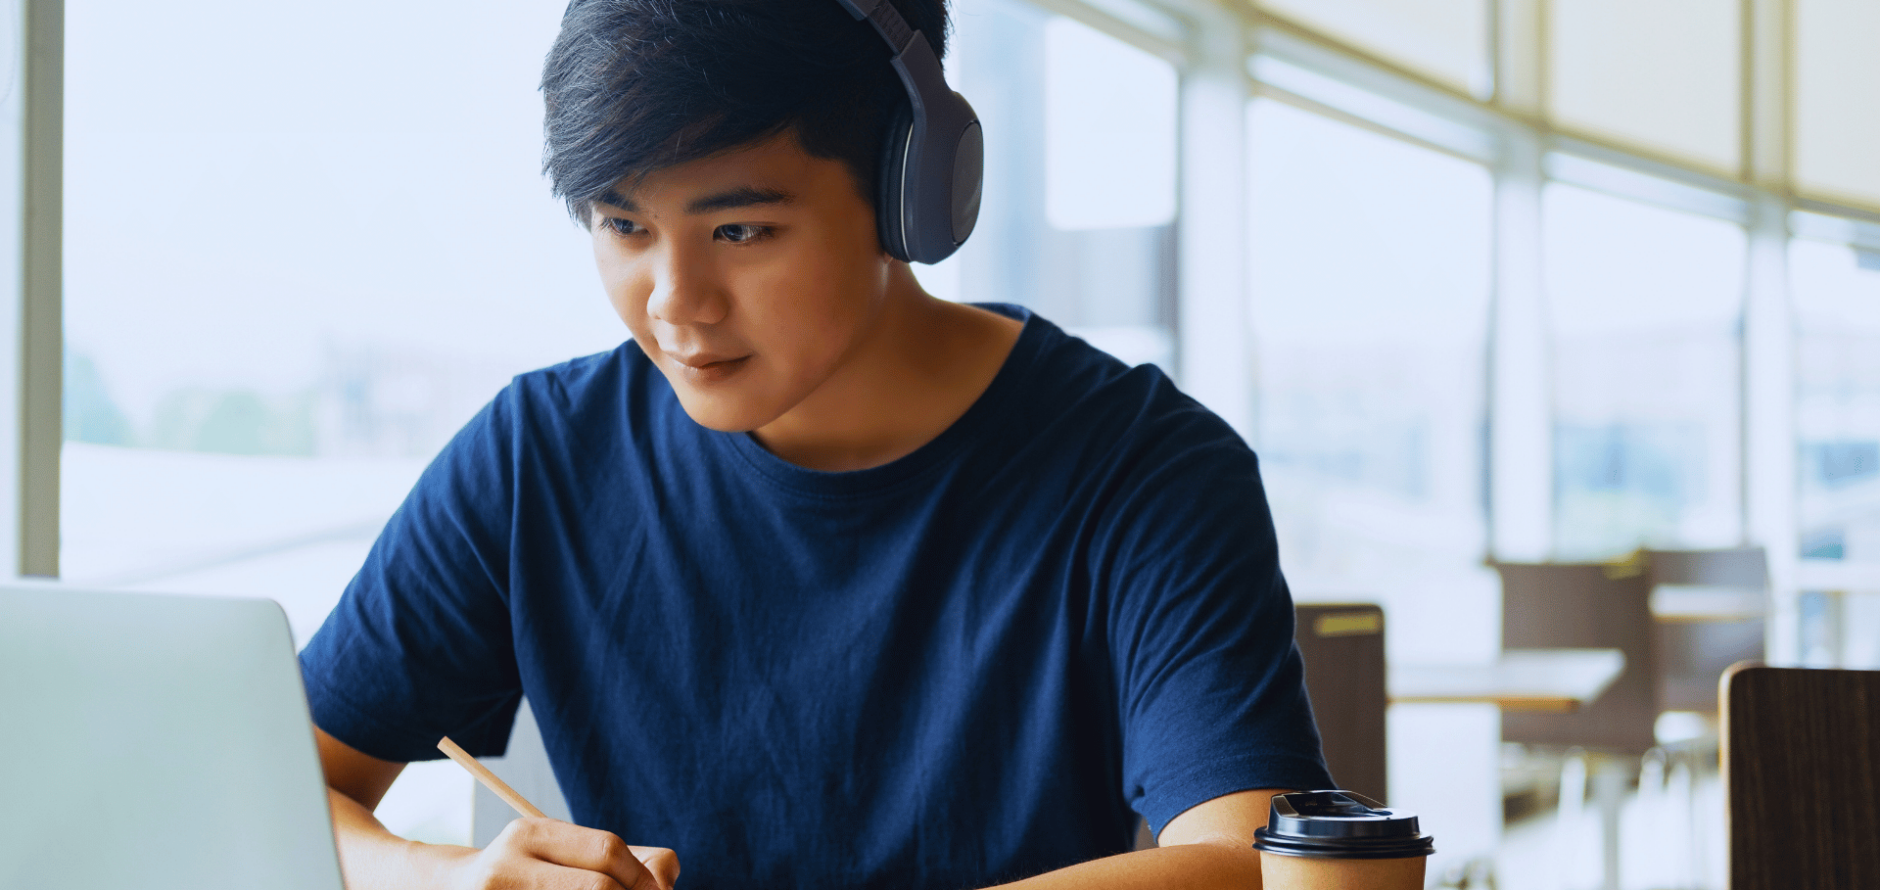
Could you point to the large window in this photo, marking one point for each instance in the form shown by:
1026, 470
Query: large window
1644, 305
1837, 301
1369, 275
1837, 413
300, 251
286, 289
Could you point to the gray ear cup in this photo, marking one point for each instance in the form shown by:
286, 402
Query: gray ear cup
969, 177
890, 189
941, 186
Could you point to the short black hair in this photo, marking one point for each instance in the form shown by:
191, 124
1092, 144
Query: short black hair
632, 86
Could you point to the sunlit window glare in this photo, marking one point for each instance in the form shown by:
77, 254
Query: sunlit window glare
1644, 306
1369, 280
1837, 408
1109, 133
296, 286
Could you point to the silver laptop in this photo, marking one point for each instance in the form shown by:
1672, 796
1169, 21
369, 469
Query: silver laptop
155, 741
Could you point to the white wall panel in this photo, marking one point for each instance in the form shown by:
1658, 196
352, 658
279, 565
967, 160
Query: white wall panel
1445, 39
1837, 117
1664, 75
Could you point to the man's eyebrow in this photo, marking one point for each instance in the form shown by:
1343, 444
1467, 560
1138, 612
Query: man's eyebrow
614, 199
742, 196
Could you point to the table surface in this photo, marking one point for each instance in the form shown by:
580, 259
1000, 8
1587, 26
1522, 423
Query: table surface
1675, 603
1522, 680
1837, 576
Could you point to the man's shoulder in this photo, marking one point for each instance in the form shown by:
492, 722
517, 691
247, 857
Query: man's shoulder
1076, 388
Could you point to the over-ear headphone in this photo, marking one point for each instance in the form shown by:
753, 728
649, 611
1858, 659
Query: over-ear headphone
933, 163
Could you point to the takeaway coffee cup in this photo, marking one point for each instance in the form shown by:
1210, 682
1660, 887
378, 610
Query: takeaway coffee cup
1340, 840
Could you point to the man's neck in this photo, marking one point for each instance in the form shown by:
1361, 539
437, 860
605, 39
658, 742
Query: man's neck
925, 364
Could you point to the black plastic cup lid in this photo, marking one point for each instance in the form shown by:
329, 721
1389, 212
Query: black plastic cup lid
1340, 825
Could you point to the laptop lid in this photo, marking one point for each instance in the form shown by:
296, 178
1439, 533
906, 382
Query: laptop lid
156, 741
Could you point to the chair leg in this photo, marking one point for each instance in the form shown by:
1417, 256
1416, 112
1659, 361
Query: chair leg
1651, 854
1610, 776
1568, 814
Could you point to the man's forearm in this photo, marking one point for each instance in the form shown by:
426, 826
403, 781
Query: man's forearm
1203, 866
371, 857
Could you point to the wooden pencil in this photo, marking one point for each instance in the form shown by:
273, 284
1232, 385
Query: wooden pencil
489, 779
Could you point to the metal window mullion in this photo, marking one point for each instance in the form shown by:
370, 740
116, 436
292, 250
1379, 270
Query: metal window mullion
1768, 358
42, 342
1520, 69
1214, 334
32, 117
1520, 452
1520, 395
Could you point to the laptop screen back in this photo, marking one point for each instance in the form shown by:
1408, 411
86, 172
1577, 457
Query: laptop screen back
156, 742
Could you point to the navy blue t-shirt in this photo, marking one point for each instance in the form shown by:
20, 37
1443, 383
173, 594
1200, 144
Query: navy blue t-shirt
963, 667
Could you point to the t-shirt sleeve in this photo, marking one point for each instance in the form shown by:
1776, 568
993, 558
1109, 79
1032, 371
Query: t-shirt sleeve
419, 646
1210, 682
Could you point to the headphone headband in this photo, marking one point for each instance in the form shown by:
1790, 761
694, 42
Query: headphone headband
886, 19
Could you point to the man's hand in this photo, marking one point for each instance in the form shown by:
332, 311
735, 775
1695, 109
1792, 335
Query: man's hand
555, 855
530, 854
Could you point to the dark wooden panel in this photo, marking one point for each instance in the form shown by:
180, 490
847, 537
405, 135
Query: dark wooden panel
1801, 764
1585, 606
1343, 648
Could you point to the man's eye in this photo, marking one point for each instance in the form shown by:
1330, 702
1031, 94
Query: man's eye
742, 234
621, 225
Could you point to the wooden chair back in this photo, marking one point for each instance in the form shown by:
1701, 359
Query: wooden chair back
1585, 606
1728, 567
1343, 648
1801, 777
1693, 654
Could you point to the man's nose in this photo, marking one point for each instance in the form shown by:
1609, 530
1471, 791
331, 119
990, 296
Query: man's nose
686, 288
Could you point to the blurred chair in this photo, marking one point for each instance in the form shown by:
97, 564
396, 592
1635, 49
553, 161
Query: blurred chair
1801, 774
1586, 606
1709, 607
1343, 648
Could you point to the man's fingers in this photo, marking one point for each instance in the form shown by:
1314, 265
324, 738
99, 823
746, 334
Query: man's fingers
549, 876
662, 862
570, 845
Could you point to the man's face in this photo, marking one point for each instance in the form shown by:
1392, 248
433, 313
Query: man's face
748, 278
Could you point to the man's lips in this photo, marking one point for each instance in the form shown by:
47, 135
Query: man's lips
708, 367
702, 361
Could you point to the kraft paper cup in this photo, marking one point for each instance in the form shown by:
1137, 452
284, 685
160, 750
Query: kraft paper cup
1340, 840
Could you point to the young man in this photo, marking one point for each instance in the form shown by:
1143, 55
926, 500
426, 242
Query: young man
818, 581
